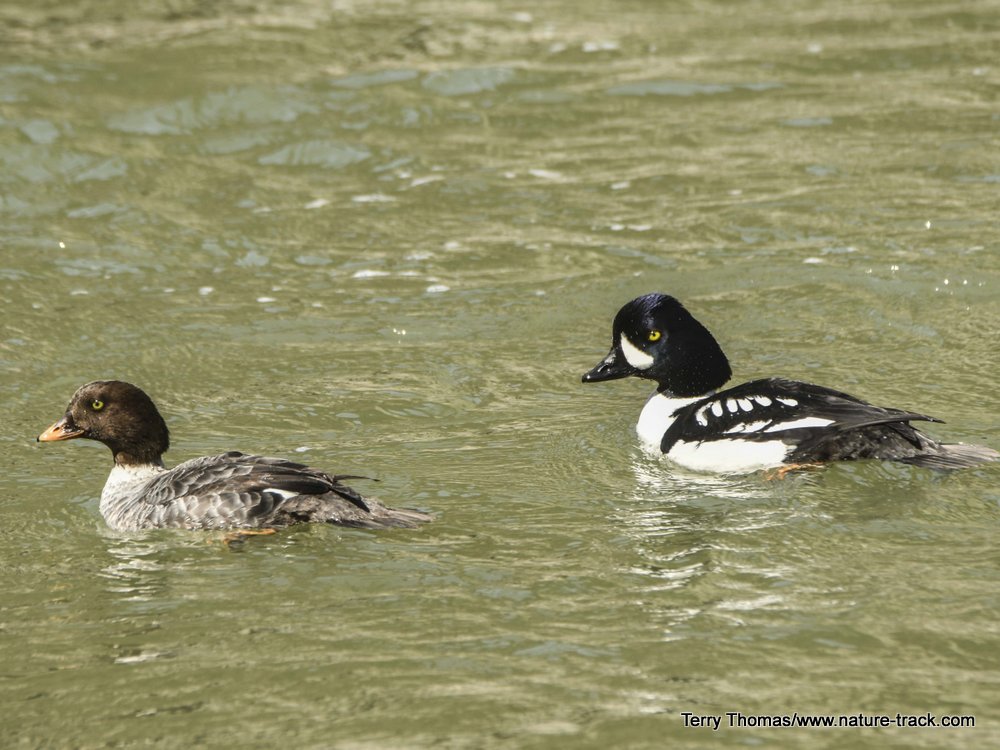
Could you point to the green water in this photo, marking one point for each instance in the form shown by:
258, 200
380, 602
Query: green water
388, 238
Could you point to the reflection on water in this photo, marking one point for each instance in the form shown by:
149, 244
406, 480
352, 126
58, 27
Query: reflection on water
695, 533
656, 476
135, 573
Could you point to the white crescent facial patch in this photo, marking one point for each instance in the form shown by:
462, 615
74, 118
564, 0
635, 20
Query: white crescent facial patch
634, 355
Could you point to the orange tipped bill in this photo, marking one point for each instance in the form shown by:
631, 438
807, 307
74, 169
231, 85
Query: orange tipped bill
61, 430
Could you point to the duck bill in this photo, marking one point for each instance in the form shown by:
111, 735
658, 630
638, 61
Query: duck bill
611, 367
64, 429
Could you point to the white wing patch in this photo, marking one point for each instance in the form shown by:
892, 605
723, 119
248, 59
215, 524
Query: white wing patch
283, 494
799, 423
634, 355
747, 404
747, 427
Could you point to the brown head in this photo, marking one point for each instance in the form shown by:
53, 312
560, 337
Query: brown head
118, 414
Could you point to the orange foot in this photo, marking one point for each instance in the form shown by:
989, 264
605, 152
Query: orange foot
239, 536
781, 471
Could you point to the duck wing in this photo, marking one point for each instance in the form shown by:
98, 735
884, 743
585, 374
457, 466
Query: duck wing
780, 409
237, 490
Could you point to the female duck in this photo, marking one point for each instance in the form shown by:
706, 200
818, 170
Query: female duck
229, 491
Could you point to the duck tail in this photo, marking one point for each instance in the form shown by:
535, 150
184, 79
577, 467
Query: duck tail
404, 518
950, 456
380, 516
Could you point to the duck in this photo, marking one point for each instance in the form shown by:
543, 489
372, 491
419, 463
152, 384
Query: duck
230, 491
767, 424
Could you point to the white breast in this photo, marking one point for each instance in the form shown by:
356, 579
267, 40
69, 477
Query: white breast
729, 455
656, 417
122, 495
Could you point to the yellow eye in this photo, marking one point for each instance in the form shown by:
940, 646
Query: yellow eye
97, 404
654, 335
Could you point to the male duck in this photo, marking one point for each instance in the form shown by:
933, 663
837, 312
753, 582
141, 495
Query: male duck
762, 424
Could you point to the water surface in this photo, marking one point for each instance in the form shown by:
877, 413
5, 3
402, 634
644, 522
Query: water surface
388, 238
